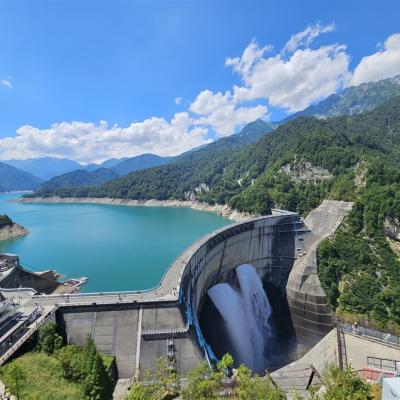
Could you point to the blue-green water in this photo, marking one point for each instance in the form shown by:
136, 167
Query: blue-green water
116, 247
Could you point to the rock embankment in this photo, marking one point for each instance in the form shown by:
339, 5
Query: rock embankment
13, 231
223, 210
391, 228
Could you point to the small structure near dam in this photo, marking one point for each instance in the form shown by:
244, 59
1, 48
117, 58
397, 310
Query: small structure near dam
13, 275
263, 270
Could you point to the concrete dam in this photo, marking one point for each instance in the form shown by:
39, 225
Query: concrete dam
263, 269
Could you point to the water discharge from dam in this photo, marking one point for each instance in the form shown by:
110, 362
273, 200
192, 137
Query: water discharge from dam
246, 311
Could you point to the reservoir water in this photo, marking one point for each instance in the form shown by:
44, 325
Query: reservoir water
115, 247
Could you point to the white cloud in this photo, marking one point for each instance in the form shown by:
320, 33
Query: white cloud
306, 37
221, 112
7, 83
244, 64
306, 76
291, 78
380, 65
88, 142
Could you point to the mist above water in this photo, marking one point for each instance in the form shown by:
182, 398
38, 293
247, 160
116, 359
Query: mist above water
245, 311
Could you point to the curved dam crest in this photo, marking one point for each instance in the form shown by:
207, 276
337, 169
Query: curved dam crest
135, 326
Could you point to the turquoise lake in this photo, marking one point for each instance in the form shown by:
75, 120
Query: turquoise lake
115, 247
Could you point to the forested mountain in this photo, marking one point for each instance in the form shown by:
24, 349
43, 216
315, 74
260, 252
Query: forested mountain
45, 167
12, 179
248, 135
354, 158
353, 100
177, 179
224, 173
78, 178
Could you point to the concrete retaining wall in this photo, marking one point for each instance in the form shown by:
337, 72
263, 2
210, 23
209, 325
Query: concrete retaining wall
310, 312
19, 277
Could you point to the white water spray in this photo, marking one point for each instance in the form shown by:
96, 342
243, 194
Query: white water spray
246, 315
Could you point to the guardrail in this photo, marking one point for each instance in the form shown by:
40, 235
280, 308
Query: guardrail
384, 364
370, 333
36, 325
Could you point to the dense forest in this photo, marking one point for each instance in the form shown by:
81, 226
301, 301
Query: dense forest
249, 178
78, 178
172, 180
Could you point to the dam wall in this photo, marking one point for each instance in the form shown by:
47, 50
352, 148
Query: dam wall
134, 333
136, 326
271, 244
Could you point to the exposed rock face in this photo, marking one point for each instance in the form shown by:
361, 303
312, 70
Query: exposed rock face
391, 228
9, 232
191, 195
301, 170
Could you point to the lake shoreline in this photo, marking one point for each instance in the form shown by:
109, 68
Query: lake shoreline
219, 209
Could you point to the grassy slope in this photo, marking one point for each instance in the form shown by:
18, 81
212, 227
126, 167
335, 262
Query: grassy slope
43, 381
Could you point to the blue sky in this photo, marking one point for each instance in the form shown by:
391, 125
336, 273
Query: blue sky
89, 80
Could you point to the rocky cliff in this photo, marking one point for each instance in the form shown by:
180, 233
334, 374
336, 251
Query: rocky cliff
12, 231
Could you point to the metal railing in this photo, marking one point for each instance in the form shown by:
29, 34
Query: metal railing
384, 364
374, 334
32, 329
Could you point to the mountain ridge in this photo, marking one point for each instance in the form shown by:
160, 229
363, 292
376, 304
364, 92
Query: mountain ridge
14, 179
353, 100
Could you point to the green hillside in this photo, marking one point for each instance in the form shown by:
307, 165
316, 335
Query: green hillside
78, 178
252, 178
173, 180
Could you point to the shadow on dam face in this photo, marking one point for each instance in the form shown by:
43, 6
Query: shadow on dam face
249, 319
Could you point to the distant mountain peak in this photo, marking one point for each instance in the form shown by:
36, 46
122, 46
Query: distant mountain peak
353, 100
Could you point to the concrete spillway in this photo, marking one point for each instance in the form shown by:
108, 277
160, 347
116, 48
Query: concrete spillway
135, 326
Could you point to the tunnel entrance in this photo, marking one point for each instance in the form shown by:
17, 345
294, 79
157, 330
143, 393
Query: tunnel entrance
249, 319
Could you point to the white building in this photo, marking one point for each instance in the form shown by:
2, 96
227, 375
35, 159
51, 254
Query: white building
391, 389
